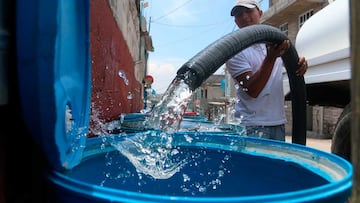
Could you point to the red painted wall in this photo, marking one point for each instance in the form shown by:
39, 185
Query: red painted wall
109, 55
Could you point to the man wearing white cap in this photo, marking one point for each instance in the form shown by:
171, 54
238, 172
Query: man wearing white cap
257, 71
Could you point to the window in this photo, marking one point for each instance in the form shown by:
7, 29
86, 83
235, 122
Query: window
304, 17
284, 28
204, 93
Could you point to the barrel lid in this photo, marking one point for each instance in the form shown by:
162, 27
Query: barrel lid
54, 76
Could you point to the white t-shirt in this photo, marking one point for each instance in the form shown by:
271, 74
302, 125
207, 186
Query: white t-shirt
268, 108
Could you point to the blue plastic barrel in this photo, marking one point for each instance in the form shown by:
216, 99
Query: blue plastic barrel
53, 52
219, 168
54, 74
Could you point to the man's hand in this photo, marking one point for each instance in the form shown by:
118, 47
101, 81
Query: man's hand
277, 50
303, 66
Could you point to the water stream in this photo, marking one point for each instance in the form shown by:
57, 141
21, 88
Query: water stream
168, 113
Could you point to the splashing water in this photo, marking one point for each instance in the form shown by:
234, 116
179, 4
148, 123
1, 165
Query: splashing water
151, 154
168, 113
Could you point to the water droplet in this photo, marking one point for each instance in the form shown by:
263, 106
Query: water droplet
130, 95
123, 76
221, 173
202, 189
186, 178
188, 138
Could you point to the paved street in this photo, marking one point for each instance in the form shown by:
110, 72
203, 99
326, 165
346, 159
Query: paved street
322, 144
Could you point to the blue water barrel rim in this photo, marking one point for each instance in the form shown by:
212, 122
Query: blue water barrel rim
105, 193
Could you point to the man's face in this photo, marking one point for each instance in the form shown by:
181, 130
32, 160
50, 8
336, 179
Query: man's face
247, 16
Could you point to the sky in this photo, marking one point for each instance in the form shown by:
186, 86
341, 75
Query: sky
182, 28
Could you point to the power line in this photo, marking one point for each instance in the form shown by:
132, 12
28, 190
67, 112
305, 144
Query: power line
172, 11
188, 37
203, 25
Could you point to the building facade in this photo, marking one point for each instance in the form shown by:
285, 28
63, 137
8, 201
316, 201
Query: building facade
209, 99
119, 46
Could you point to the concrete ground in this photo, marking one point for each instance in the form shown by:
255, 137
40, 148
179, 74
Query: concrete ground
317, 143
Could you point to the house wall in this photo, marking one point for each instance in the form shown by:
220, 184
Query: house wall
114, 39
131, 24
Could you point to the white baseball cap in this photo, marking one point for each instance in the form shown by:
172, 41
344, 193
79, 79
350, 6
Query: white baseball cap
244, 3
